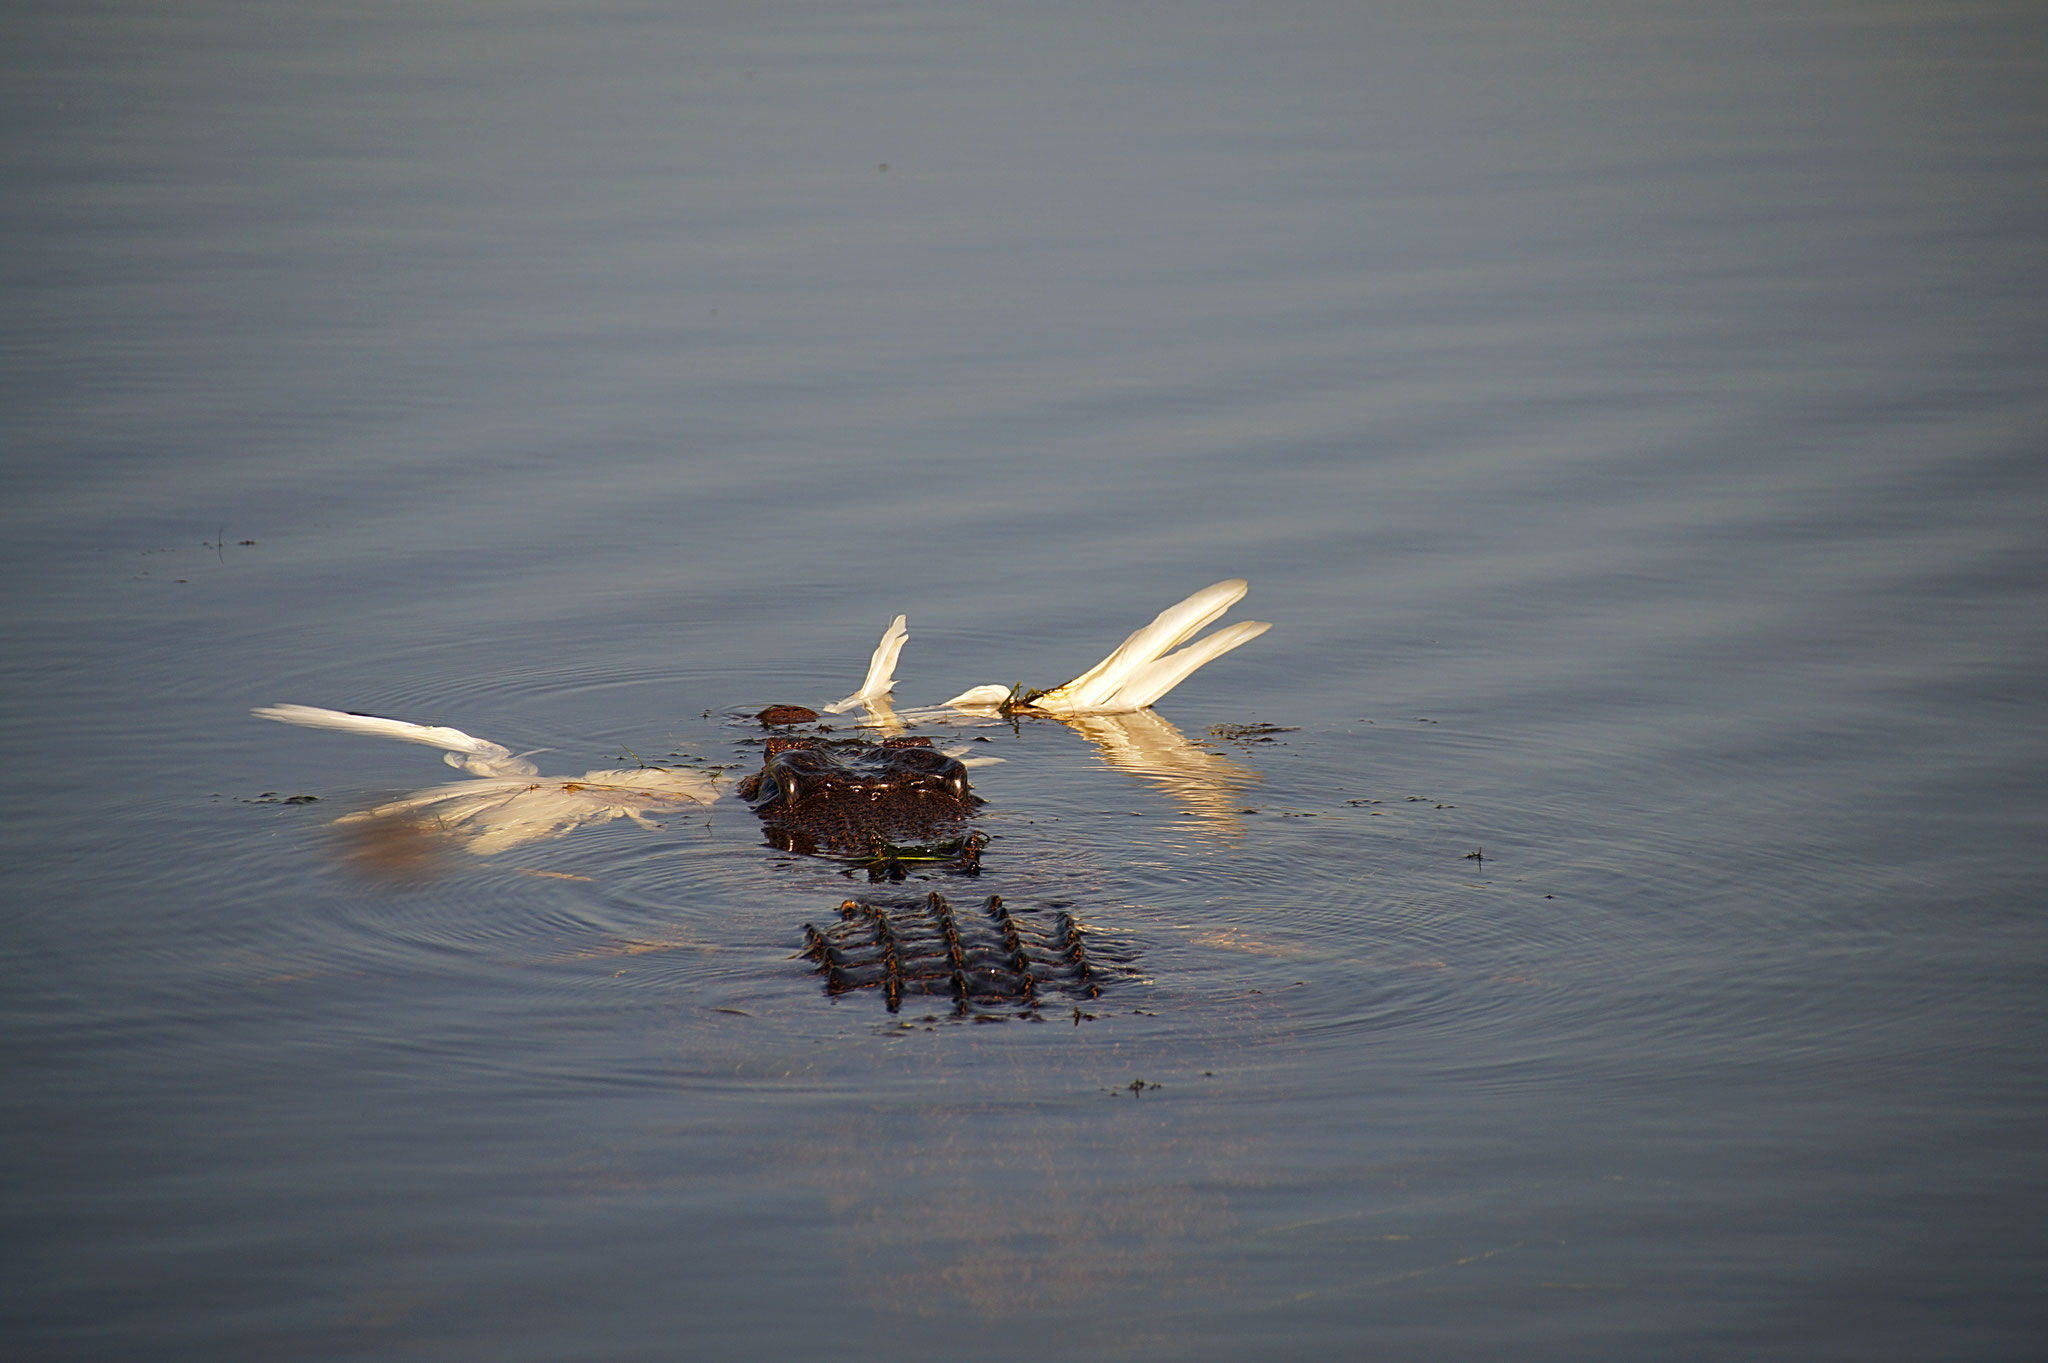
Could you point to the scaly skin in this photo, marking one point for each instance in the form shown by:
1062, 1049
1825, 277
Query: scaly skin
843, 798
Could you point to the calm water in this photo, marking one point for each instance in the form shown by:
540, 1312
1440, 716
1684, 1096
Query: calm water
1632, 418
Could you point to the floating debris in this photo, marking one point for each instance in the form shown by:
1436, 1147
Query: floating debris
890, 861
777, 715
1251, 733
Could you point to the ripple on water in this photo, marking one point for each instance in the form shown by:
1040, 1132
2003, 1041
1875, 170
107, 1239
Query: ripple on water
1596, 896
1340, 896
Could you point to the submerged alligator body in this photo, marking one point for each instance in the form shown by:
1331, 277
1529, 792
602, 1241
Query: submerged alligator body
988, 955
855, 800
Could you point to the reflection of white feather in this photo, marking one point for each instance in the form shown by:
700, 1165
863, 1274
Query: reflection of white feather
512, 804
881, 679
1141, 670
1208, 785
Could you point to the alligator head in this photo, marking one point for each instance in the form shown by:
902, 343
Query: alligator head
815, 796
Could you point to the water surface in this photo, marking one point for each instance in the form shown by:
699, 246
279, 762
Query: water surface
1630, 417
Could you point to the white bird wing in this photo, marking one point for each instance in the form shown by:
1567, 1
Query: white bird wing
512, 804
1155, 679
478, 756
497, 814
674, 785
1099, 689
881, 679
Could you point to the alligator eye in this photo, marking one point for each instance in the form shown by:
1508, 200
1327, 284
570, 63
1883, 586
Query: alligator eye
786, 781
957, 784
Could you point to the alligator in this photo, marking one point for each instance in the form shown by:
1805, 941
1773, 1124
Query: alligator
880, 803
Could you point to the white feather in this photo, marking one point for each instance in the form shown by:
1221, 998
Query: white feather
988, 697
965, 753
481, 756
1141, 669
881, 679
496, 814
1148, 683
1171, 626
513, 804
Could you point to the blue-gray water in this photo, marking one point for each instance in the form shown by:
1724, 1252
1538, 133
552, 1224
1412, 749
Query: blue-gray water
1632, 418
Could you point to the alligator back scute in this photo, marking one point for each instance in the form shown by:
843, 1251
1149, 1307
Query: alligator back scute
977, 957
